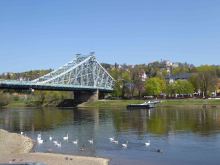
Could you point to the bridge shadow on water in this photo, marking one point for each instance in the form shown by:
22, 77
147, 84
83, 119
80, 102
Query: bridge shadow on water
69, 103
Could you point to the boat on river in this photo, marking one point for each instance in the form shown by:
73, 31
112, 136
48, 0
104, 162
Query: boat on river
145, 105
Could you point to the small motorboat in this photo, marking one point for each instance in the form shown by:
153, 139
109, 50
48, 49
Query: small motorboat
145, 105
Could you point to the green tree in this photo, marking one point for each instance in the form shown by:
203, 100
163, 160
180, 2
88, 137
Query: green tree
117, 92
155, 86
184, 87
206, 79
180, 87
171, 89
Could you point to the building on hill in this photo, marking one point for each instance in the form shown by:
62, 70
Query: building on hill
181, 76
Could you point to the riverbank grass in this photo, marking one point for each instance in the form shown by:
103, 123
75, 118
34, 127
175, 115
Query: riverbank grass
164, 103
123, 103
17, 104
188, 102
111, 103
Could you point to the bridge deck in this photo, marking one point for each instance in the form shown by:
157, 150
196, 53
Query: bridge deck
27, 85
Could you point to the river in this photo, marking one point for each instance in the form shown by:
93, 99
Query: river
177, 136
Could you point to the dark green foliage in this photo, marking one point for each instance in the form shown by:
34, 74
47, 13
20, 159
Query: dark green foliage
4, 99
47, 98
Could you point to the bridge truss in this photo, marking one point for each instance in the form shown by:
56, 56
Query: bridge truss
83, 72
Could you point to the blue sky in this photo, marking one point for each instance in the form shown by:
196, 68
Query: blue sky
41, 34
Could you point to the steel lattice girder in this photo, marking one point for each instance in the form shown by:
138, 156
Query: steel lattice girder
83, 71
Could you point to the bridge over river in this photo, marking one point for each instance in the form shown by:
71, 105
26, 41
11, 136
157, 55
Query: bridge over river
84, 75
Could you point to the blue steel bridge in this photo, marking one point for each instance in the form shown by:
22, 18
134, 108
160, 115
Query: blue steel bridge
83, 73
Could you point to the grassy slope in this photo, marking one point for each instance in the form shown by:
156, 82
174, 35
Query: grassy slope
14, 104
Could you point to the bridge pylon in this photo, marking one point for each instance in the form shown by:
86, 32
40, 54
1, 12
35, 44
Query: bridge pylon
86, 96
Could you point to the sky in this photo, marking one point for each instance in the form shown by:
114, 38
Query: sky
42, 34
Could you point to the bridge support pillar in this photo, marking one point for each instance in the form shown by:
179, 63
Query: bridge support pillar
86, 96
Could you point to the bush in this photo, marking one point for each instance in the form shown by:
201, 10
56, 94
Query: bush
46, 98
4, 99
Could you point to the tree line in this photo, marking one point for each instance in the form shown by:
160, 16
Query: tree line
154, 80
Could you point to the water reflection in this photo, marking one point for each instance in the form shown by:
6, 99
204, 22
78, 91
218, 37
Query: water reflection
179, 132
154, 121
161, 121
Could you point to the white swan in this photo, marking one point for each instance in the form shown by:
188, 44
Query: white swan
40, 141
39, 137
66, 137
55, 142
125, 145
58, 145
75, 141
50, 138
115, 141
90, 141
147, 143
111, 138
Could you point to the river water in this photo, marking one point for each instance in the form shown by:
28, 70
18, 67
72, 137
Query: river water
177, 136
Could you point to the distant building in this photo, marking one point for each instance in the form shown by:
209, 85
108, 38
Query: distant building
168, 66
143, 76
181, 76
168, 63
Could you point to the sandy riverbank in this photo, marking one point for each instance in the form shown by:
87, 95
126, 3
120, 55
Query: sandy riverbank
15, 148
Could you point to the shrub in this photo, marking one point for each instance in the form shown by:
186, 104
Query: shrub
4, 99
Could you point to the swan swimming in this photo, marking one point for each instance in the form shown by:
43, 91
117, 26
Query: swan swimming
147, 143
40, 141
50, 138
90, 141
55, 142
58, 145
111, 139
115, 141
66, 137
39, 137
125, 145
75, 141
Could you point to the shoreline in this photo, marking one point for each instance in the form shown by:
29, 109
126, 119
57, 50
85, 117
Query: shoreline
165, 103
16, 148
172, 103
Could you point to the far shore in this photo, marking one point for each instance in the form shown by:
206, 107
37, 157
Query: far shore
16, 149
164, 103
122, 103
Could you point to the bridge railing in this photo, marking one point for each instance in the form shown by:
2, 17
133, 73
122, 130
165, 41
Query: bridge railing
32, 84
